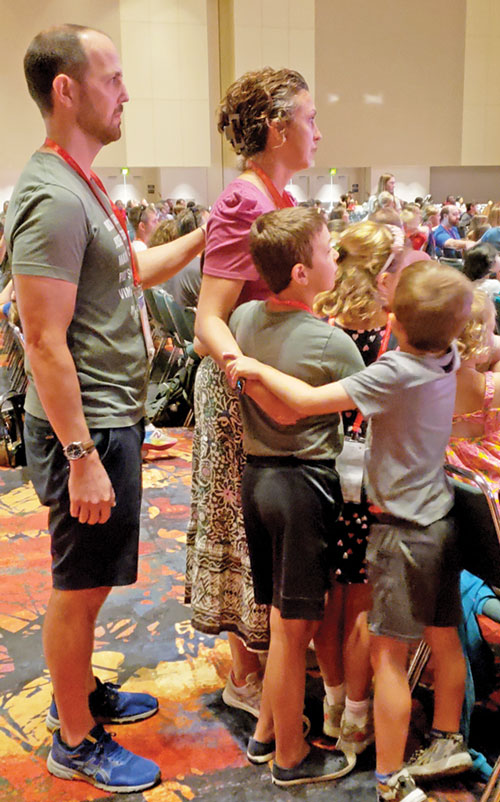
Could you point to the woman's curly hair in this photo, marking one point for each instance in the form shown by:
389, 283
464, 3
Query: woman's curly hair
364, 249
473, 341
252, 102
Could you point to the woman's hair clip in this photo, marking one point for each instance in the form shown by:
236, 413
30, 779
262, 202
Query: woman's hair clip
233, 132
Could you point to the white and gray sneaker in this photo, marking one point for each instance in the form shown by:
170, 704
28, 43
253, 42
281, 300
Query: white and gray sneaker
446, 754
400, 787
247, 697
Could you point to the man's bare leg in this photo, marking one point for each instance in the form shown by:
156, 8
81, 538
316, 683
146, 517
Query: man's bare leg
68, 640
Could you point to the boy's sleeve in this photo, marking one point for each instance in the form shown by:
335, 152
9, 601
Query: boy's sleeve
373, 388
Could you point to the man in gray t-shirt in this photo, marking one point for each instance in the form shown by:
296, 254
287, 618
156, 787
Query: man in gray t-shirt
79, 297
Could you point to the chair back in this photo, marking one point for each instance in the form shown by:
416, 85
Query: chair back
478, 520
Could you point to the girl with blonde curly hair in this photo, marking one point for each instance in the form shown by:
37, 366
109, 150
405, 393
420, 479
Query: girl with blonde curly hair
475, 440
369, 264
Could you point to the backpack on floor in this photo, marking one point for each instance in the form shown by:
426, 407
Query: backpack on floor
12, 449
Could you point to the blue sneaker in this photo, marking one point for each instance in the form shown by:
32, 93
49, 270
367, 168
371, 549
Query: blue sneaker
102, 762
109, 705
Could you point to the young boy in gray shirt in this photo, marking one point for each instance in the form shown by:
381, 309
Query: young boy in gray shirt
291, 495
413, 563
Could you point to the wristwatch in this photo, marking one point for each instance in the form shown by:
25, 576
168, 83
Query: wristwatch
78, 449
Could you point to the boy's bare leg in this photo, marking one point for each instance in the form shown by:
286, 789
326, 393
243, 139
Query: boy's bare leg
329, 636
357, 667
392, 704
68, 639
244, 662
284, 686
449, 677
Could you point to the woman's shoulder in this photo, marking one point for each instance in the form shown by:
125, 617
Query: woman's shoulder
242, 198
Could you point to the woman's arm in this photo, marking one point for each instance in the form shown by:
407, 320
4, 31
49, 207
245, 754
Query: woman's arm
218, 297
295, 393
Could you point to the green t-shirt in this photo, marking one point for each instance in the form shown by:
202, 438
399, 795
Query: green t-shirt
299, 344
57, 229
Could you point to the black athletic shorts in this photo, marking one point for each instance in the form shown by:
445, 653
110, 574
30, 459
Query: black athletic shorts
83, 555
290, 507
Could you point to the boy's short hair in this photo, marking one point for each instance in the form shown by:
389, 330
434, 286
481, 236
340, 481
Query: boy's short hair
432, 303
281, 239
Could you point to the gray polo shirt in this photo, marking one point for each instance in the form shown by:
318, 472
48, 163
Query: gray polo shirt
57, 229
300, 344
409, 402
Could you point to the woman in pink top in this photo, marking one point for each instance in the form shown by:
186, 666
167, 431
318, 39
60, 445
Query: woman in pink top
269, 118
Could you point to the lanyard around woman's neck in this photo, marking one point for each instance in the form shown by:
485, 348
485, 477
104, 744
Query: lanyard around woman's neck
115, 217
280, 200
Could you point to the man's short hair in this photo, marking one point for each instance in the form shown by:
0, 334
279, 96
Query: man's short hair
479, 260
432, 303
446, 210
281, 239
54, 51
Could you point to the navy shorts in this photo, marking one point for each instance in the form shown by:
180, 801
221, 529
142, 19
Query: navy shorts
415, 575
290, 508
83, 555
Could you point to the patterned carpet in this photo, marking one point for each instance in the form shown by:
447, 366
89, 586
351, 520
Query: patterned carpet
144, 641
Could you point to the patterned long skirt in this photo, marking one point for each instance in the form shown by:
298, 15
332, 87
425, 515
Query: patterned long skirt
218, 577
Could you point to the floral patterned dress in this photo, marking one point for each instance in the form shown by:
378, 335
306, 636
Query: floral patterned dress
481, 454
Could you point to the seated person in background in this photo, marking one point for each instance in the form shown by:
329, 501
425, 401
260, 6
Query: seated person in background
448, 241
482, 266
493, 233
475, 438
184, 287
411, 218
478, 227
144, 220
291, 493
413, 562
466, 217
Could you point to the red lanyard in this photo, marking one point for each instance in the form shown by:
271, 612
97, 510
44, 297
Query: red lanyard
275, 301
280, 201
49, 143
356, 426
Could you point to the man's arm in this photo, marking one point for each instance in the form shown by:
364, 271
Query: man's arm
293, 392
163, 261
46, 308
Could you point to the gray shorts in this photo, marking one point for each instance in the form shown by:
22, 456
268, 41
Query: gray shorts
89, 556
415, 574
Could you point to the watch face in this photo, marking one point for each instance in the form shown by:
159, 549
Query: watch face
74, 451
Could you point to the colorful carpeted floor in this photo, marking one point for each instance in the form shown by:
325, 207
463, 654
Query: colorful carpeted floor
144, 641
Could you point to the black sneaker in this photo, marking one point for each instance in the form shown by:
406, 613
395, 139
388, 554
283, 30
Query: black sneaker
317, 766
259, 752
109, 705
103, 763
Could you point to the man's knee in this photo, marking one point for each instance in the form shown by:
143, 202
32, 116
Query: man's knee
85, 602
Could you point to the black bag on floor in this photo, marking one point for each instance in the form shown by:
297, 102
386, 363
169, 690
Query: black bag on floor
12, 449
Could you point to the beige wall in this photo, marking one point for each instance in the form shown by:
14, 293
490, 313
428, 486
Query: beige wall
389, 78
481, 107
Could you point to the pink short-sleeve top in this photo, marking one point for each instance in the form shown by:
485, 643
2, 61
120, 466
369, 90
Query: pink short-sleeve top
227, 252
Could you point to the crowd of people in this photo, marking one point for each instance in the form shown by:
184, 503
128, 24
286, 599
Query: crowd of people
374, 318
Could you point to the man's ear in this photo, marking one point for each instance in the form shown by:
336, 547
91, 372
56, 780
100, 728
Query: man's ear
300, 274
64, 90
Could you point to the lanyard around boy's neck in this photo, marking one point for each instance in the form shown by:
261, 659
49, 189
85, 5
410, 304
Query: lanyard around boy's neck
274, 300
92, 182
280, 200
356, 426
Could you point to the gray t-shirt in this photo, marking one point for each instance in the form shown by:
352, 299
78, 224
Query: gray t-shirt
185, 286
409, 402
299, 344
56, 228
